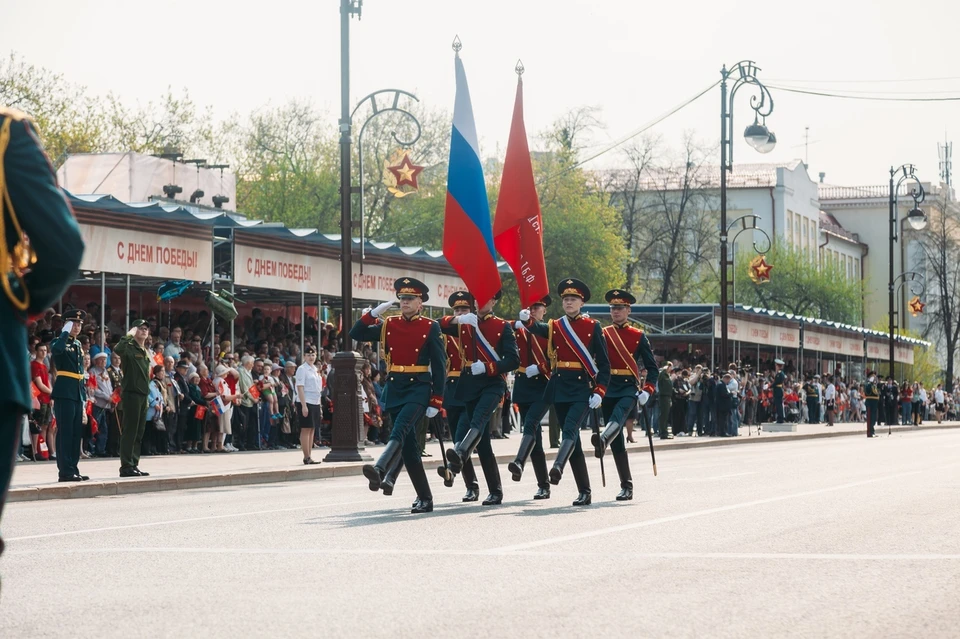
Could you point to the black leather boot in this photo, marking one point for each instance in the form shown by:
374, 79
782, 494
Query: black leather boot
491, 473
578, 464
448, 476
390, 479
418, 478
539, 461
583, 499
422, 506
516, 466
457, 456
470, 479
388, 458
626, 480
563, 455
602, 440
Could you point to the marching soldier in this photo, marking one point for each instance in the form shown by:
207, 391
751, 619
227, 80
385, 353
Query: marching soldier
462, 303
778, 381
40, 253
871, 396
414, 386
490, 343
136, 362
69, 395
579, 380
529, 386
628, 348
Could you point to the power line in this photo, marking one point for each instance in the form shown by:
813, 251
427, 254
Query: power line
825, 94
876, 91
858, 81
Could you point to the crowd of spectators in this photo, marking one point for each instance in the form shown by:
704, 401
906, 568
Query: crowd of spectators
255, 379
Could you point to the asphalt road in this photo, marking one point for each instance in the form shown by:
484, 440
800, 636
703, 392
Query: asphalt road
836, 537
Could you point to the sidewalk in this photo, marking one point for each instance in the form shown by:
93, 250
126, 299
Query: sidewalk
38, 480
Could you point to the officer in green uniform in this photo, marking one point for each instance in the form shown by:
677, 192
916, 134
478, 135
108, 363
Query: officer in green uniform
871, 395
69, 395
778, 381
40, 253
135, 361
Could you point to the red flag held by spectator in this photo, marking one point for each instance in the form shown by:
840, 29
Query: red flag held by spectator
518, 227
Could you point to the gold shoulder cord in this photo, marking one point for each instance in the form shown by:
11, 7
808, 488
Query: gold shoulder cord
22, 257
551, 349
383, 342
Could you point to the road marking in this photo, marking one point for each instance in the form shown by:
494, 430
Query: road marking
703, 479
188, 520
327, 552
690, 515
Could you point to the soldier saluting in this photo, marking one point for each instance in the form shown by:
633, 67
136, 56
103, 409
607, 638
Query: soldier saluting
778, 381
135, 361
579, 380
871, 396
529, 386
69, 395
416, 366
628, 348
490, 342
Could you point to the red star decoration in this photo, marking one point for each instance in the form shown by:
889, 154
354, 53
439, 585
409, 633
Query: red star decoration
916, 306
760, 269
406, 172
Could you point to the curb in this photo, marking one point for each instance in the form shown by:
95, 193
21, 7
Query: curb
132, 486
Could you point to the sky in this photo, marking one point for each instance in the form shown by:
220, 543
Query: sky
632, 60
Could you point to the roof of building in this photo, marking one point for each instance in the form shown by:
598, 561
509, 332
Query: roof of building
743, 176
829, 224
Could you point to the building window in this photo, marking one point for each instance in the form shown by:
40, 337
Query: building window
790, 228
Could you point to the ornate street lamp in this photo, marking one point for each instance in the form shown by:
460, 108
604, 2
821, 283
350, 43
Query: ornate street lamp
757, 136
918, 221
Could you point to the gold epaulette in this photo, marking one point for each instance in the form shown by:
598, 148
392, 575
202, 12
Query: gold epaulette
16, 263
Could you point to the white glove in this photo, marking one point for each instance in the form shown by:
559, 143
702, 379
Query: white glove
595, 401
643, 396
532, 371
132, 331
585, 315
525, 315
468, 319
68, 327
380, 309
478, 368
432, 412
366, 310
518, 325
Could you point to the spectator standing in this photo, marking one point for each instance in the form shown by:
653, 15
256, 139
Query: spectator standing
681, 391
194, 425
919, 403
184, 406
309, 392
906, 403
249, 426
695, 403
665, 399
939, 400
102, 403
116, 380
173, 348
733, 390
830, 397
40, 375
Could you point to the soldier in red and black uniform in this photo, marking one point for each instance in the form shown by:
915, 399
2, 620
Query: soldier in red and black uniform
489, 344
416, 366
628, 349
579, 379
529, 386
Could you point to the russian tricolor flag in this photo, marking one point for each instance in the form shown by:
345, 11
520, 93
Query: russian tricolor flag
467, 232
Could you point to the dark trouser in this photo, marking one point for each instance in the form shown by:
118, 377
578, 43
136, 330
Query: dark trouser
479, 411
873, 411
69, 415
663, 421
458, 424
132, 428
103, 417
406, 418
778, 404
250, 429
177, 424
571, 416
679, 415
530, 416
422, 433
616, 409
11, 421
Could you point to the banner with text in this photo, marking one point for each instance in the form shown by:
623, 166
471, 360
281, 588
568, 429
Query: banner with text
759, 333
823, 342
267, 268
128, 252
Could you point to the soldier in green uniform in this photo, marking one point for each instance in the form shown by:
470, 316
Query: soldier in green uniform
778, 381
40, 252
871, 396
69, 395
135, 362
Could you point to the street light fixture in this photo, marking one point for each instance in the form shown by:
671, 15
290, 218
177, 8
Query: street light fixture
918, 221
747, 222
758, 136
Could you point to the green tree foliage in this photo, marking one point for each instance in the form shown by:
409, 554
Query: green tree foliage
799, 286
925, 368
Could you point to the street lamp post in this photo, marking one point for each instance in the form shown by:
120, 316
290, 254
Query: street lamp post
756, 135
917, 220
